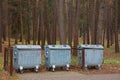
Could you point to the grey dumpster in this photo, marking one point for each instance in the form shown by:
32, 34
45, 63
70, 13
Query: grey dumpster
27, 56
90, 55
57, 56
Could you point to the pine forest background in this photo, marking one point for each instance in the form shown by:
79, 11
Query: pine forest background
60, 22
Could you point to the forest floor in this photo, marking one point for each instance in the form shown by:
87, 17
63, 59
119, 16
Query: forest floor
111, 65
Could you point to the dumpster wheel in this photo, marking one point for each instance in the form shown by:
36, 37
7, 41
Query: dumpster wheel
48, 68
36, 70
53, 68
67, 68
17, 70
21, 71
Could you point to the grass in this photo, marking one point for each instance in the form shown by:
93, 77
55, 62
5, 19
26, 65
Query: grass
110, 50
43, 60
1, 63
111, 56
5, 75
109, 61
74, 60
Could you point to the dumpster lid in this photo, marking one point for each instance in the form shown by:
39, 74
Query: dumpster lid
28, 46
58, 46
90, 46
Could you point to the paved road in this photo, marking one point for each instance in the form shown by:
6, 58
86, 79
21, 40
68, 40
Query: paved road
67, 76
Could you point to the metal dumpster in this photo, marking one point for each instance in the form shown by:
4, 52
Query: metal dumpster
57, 56
90, 55
27, 56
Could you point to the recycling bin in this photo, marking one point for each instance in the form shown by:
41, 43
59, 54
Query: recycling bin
27, 56
57, 56
90, 55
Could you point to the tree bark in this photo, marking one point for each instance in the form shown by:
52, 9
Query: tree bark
35, 21
93, 23
47, 22
42, 28
28, 22
116, 27
0, 29
77, 16
5, 19
100, 22
108, 24
70, 30
61, 22
21, 21
39, 27
54, 23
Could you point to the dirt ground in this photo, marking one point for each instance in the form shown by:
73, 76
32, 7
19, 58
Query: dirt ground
63, 75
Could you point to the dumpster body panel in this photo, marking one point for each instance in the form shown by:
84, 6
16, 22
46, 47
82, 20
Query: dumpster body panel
27, 56
57, 56
90, 55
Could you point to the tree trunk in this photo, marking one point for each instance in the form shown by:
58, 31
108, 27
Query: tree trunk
28, 22
39, 27
54, 23
70, 23
93, 23
0, 29
88, 22
35, 21
21, 22
108, 22
85, 21
42, 28
47, 21
77, 16
112, 28
17, 29
100, 22
5, 19
61, 22
116, 27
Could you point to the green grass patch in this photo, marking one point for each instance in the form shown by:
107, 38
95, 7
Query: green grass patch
110, 50
111, 61
5, 75
1, 63
74, 60
43, 60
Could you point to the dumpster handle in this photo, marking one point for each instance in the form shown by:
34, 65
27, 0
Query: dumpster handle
46, 54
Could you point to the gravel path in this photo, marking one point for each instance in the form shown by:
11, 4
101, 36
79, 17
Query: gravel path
67, 76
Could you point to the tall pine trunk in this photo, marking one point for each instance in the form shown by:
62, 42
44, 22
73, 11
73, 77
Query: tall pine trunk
116, 27
61, 22
5, 19
93, 23
100, 22
0, 29
70, 23
21, 21
28, 21
77, 16
39, 21
54, 23
35, 21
